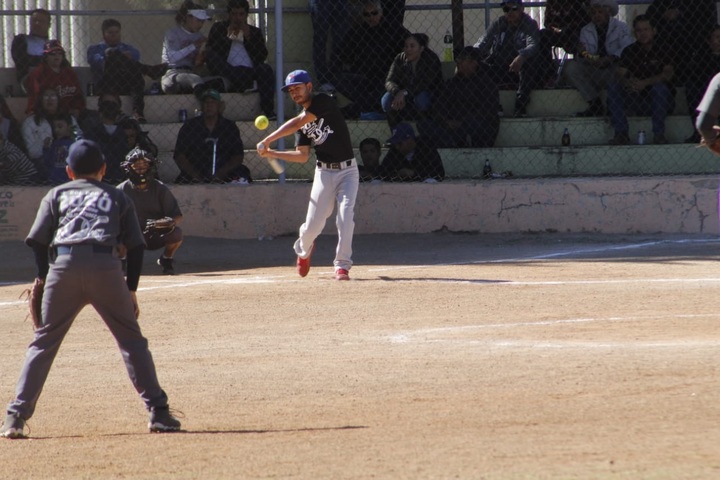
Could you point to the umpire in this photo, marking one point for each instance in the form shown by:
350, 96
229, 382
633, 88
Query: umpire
81, 223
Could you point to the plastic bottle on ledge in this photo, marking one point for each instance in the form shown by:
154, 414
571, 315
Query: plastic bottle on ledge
641, 137
566, 138
448, 51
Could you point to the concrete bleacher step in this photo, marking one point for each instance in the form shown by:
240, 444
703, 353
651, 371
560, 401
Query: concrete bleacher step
525, 162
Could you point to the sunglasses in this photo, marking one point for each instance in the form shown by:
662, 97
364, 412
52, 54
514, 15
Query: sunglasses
514, 8
371, 14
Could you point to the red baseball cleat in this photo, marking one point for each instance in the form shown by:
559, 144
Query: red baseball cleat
303, 264
342, 274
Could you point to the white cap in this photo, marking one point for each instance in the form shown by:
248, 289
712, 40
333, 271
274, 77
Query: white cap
199, 14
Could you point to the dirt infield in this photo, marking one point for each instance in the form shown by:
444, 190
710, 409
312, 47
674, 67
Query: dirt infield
446, 356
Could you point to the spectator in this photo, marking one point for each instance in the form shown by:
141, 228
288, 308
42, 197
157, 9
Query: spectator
182, 51
601, 44
331, 19
394, 11
116, 67
15, 167
37, 129
153, 201
237, 52
414, 78
411, 158
136, 137
465, 114
701, 69
56, 154
9, 126
209, 147
28, 49
55, 72
642, 84
683, 25
370, 150
511, 46
563, 21
364, 57
109, 135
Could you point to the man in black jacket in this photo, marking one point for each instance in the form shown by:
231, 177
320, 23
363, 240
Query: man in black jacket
27, 49
237, 51
411, 158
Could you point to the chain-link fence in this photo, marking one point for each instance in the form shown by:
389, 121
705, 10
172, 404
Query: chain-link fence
556, 88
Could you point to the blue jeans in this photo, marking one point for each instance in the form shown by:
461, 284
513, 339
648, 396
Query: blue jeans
657, 102
330, 19
415, 106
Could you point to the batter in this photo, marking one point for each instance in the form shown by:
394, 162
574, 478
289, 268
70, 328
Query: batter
81, 223
322, 125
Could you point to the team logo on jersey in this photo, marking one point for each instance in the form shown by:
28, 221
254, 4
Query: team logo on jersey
317, 131
85, 216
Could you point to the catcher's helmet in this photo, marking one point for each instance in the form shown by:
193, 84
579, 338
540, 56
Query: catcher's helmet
136, 178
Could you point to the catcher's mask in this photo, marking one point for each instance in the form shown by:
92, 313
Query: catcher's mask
139, 178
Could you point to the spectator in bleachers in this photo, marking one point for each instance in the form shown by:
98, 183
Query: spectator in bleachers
370, 150
116, 67
184, 54
56, 154
109, 135
28, 48
37, 128
15, 167
55, 72
10, 127
683, 26
465, 113
364, 57
411, 158
331, 20
136, 137
415, 76
237, 52
643, 84
563, 21
700, 70
511, 47
209, 148
602, 41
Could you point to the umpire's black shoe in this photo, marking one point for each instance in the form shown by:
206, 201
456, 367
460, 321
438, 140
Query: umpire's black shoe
167, 265
14, 426
162, 420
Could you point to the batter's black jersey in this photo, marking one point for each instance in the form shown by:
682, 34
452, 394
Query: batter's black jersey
329, 133
86, 212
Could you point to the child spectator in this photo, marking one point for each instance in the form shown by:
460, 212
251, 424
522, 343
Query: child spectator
56, 154
55, 72
370, 150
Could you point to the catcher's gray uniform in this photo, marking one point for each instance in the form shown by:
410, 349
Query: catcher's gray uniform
83, 221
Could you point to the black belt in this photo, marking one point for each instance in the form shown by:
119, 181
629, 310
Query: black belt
67, 250
336, 165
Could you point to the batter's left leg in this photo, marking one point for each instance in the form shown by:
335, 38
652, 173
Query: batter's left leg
347, 190
322, 201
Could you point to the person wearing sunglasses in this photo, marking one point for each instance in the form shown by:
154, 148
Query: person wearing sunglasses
511, 47
364, 58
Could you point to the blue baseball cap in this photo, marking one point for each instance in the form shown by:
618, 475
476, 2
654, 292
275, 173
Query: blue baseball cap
85, 157
401, 132
296, 77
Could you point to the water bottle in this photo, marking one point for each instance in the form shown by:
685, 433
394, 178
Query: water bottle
566, 138
487, 169
448, 41
641, 137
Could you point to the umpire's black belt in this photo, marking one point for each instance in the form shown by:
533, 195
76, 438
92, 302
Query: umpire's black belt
336, 165
83, 248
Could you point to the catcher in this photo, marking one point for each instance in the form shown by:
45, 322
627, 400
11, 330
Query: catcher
157, 209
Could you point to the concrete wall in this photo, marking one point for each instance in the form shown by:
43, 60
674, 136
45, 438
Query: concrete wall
615, 205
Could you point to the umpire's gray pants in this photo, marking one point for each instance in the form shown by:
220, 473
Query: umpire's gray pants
74, 281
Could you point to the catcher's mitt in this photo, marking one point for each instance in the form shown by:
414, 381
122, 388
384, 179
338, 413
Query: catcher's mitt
34, 296
160, 226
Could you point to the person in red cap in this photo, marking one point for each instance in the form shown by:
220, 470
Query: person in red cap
55, 72
320, 125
